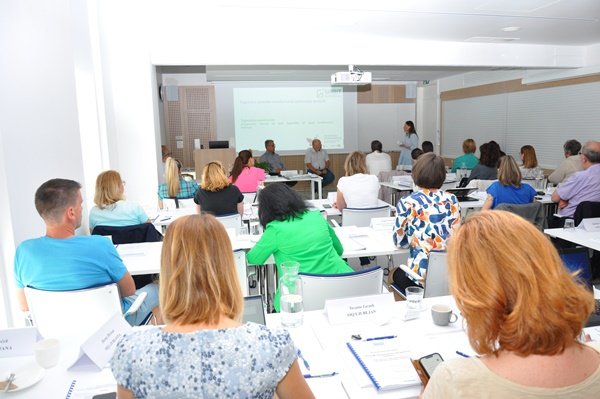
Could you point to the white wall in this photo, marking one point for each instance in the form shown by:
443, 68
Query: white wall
428, 115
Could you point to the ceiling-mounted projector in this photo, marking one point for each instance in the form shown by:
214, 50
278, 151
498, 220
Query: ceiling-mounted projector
353, 77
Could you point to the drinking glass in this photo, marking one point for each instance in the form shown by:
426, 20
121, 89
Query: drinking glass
414, 298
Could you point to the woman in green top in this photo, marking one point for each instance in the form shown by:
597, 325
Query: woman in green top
293, 233
468, 160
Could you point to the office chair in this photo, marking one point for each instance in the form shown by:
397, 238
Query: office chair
361, 217
233, 221
170, 204
77, 313
435, 282
317, 288
533, 212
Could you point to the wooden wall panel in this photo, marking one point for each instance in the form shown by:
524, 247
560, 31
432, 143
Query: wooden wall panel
382, 94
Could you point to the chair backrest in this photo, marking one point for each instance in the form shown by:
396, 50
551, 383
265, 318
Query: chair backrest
533, 212
319, 288
586, 210
145, 232
233, 221
480, 185
249, 198
436, 279
75, 313
171, 204
362, 217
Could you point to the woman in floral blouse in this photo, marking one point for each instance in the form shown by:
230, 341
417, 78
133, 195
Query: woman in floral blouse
424, 219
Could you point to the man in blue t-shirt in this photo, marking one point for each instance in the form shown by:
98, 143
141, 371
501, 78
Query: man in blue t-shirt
62, 261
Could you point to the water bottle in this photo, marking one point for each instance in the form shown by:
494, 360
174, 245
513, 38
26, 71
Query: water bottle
290, 289
539, 180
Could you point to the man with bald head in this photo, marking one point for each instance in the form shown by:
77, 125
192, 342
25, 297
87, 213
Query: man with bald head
317, 162
581, 186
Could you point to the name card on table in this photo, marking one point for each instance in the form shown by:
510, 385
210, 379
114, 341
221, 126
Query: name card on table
18, 341
97, 350
591, 224
373, 308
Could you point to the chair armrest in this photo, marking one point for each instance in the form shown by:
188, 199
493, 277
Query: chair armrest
136, 304
411, 273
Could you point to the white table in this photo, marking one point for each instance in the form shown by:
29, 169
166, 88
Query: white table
578, 236
314, 179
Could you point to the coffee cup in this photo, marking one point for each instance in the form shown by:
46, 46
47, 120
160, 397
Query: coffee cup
443, 315
47, 352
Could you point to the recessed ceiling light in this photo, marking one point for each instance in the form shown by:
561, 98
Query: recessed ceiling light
511, 28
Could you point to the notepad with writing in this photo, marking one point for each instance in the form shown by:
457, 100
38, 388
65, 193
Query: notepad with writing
386, 362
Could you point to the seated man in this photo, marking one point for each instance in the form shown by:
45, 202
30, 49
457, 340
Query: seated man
317, 162
62, 261
582, 186
570, 165
273, 159
378, 161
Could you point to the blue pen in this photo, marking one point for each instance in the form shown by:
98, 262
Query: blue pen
165, 219
303, 360
320, 375
462, 354
378, 338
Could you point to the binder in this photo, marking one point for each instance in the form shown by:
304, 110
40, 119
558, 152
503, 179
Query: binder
386, 363
71, 388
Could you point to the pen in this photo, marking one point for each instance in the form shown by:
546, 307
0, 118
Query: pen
165, 219
320, 375
378, 338
462, 354
303, 360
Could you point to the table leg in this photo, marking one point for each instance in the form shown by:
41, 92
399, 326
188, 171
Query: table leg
312, 189
320, 186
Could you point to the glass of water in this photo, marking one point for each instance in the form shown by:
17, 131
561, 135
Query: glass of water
569, 224
290, 289
414, 298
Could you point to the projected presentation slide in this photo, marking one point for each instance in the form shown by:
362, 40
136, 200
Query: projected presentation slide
292, 116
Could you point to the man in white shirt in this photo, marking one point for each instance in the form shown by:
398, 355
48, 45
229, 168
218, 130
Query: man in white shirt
378, 161
317, 162
570, 165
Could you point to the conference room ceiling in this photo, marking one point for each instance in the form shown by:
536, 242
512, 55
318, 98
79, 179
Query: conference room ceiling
570, 23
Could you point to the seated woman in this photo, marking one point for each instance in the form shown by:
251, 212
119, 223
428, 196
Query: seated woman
530, 168
216, 195
426, 218
524, 313
357, 189
468, 160
204, 351
508, 189
292, 232
111, 208
175, 186
244, 174
487, 168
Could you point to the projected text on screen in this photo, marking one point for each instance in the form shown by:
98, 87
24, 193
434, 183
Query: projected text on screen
291, 116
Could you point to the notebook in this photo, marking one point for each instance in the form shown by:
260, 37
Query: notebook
254, 311
387, 363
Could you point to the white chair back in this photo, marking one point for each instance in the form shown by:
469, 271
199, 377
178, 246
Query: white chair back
231, 221
75, 313
170, 204
436, 279
319, 288
249, 198
362, 217
480, 185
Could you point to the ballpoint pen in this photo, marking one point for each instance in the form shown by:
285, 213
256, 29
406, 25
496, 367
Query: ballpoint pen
462, 354
378, 338
303, 360
320, 375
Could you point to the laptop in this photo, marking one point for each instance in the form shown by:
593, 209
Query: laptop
462, 193
578, 259
254, 311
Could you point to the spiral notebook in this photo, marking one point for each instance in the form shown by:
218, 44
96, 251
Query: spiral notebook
386, 362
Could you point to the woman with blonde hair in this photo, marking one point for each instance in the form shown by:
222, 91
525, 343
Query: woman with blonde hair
358, 189
468, 160
244, 174
175, 186
111, 208
508, 189
530, 168
524, 313
217, 195
204, 351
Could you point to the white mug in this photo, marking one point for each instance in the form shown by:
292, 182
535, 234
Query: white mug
47, 352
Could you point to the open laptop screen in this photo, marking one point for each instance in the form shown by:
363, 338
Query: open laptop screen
254, 310
577, 259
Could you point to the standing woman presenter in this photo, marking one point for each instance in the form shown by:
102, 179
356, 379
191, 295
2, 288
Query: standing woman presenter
409, 142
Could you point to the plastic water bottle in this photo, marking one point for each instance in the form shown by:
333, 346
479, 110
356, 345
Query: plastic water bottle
290, 301
539, 180
462, 172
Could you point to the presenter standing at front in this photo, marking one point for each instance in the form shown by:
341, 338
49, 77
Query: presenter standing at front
409, 142
317, 162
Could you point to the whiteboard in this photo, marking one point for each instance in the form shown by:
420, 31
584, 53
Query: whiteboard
543, 118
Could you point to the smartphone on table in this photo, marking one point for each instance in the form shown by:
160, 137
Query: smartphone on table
430, 362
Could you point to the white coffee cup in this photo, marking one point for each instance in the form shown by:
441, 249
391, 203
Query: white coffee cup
442, 315
47, 352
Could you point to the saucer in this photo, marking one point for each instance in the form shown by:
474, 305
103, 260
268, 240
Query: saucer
27, 376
